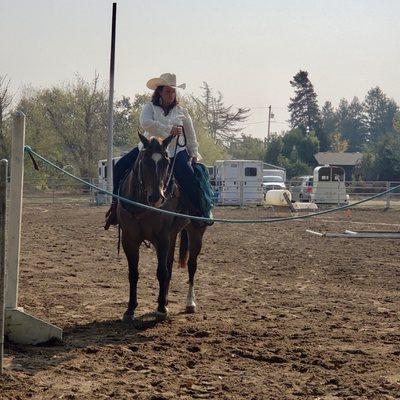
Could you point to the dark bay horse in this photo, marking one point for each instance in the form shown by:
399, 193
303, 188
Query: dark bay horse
146, 183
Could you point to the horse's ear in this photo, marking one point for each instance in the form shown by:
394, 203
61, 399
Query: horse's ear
167, 141
144, 140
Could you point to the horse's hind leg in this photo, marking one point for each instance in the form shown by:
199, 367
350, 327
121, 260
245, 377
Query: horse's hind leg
184, 249
132, 254
195, 242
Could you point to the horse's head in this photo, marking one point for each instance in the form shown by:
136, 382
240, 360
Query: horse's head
153, 168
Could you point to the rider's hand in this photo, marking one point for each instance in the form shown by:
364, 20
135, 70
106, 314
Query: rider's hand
176, 130
193, 160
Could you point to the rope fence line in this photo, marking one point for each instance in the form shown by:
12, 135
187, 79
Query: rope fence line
29, 150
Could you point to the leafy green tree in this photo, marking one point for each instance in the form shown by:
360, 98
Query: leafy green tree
304, 110
382, 160
379, 112
387, 157
274, 149
293, 168
126, 121
306, 146
69, 122
247, 148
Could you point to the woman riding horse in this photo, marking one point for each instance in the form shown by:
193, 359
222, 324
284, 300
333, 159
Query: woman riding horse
162, 117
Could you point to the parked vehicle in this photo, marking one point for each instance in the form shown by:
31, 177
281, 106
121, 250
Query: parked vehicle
301, 188
329, 185
273, 182
275, 172
238, 182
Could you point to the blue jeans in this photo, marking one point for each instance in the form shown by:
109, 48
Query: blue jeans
122, 166
183, 173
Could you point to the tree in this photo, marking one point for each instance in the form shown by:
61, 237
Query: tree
209, 149
338, 144
329, 119
351, 124
126, 121
274, 149
293, 168
396, 122
5, 109
247, 148
306, 146
221, 120
304, 110
379, 112
69, 123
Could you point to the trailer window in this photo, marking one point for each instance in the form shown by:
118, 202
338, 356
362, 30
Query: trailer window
337, 174
250, 171
324, 175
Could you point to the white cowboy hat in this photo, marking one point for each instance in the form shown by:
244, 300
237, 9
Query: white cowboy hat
166, 79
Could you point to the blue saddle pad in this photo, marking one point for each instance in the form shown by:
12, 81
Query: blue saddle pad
206, 193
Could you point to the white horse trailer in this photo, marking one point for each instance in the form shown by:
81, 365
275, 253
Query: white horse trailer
329, 185
103, 170
101, 198
239, 182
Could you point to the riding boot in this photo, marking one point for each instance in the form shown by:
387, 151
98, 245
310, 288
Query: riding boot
111, 215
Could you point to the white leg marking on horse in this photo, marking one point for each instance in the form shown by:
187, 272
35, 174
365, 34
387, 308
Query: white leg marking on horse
191, 300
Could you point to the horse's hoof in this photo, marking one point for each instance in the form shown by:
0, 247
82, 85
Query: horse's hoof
128, 318
191, 309
161, 315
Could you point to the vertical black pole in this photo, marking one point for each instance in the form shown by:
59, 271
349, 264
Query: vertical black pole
111, 102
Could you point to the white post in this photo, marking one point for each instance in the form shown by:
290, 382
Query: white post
3, 203
20, 327
17, 179
388, 185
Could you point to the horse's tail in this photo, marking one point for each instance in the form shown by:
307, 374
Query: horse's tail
184, 249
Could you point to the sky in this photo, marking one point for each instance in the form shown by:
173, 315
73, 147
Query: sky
247, 50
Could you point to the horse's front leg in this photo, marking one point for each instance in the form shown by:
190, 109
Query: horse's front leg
163, 275
170, 263
132, 254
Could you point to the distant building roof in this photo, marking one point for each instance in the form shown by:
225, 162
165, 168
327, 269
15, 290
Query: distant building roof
338, 158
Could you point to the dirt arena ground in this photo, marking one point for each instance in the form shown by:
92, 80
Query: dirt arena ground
281, 314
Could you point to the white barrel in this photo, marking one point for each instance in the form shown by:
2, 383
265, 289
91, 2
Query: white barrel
276, 198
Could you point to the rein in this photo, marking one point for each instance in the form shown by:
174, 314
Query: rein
174, 157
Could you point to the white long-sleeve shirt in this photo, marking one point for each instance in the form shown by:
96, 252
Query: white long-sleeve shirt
155, 123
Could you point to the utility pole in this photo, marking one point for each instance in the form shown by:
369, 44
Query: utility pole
270, 115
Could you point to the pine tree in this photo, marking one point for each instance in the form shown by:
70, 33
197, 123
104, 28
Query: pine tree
329, 119
304, 110
379, 112
351, 124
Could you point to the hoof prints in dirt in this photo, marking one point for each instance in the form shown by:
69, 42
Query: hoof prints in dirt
282, 315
